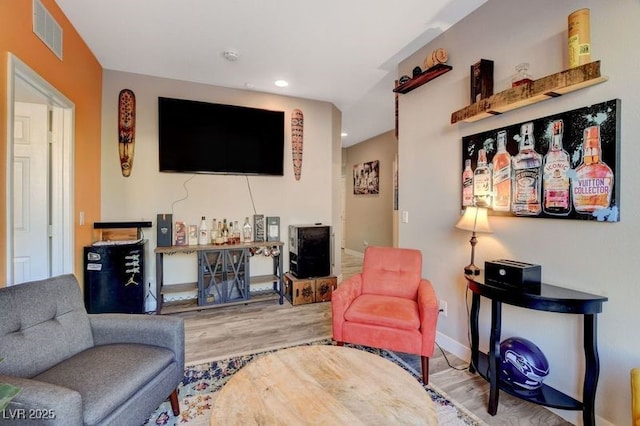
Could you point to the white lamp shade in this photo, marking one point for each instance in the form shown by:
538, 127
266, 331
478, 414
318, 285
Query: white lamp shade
474, 219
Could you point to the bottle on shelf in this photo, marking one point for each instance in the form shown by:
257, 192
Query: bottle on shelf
236, 232
527, 164
593, 185
219, 236
214, 231
482, 181
225, 231
501, 178
203, 232
556, 194
230, 238
467, 184
247, 231
522, 75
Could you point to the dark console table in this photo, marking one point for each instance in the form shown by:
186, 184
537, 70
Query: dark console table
550, 298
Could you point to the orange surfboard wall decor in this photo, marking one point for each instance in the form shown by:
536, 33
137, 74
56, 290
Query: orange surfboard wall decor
126, 129
297, 133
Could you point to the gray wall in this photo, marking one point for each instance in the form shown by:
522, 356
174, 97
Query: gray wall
369, 218
598, 258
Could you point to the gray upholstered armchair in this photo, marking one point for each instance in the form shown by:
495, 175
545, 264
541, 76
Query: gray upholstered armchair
105, 369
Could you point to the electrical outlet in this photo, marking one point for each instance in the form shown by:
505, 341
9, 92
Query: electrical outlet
443, 308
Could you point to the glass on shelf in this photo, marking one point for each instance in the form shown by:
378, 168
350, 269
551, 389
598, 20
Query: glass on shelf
522, 75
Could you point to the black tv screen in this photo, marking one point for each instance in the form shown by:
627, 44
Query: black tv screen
202, 137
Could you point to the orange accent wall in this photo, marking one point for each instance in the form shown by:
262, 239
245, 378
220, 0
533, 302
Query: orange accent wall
79, 77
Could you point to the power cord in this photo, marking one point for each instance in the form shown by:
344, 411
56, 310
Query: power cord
445, 355
186, 190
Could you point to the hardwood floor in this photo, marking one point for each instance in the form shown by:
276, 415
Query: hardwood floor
234, 330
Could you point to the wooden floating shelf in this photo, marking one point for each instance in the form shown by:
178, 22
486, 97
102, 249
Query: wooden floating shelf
548, 87
425, 77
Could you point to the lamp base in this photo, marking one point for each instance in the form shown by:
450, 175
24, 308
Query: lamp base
471, 270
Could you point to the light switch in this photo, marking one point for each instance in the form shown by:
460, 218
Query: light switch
405, 216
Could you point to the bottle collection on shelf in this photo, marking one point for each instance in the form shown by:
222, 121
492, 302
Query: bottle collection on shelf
221, 232
528, 184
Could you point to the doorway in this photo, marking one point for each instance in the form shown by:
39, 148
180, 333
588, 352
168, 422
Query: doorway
39, 237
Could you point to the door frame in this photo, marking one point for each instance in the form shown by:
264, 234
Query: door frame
62, 222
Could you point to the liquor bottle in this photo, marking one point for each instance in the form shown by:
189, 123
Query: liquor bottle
467, 184
225, 231
482, 181
247, 231
502, 175
237, 232
214, 231
593, 185
526, 164
203, 232
230, 238
555, 179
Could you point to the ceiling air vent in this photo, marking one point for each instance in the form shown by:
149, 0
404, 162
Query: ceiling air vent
47, 28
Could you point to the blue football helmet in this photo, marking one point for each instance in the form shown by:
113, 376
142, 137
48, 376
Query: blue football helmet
523, 365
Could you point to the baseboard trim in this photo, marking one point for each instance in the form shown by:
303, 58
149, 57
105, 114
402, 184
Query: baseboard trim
450, 345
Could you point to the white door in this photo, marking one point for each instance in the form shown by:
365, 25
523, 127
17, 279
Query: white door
31, 256
39, 201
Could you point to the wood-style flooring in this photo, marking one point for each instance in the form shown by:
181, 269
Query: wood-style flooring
226, 331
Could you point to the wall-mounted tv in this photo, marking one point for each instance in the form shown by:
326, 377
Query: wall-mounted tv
202, 137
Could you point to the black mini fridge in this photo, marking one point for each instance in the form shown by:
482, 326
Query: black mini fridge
114, 278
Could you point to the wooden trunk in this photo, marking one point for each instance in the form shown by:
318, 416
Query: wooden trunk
299, 292
324, 288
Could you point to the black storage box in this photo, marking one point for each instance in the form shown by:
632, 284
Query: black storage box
512, 274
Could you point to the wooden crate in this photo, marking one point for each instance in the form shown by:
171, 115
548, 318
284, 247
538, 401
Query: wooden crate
324, 287
299, 292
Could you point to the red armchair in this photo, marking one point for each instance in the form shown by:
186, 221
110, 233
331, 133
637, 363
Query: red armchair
388, 305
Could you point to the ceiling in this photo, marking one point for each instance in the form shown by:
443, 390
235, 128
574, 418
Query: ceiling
340, 51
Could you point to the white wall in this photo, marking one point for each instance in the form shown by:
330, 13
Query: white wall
148, 192
599, 258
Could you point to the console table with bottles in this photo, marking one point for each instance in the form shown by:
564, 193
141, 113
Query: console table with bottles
223, 276
552, 299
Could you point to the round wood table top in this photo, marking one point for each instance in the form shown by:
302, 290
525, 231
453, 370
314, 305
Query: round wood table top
323, 385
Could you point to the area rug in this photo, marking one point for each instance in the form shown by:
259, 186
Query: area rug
201, 382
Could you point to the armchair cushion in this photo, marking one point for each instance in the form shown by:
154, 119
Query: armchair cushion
386, 311
96, 372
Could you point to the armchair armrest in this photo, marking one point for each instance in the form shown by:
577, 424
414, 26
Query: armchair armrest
428, 309
341, 298
41, 403
155, 330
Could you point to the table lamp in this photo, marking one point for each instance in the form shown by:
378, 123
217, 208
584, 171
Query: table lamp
475, 220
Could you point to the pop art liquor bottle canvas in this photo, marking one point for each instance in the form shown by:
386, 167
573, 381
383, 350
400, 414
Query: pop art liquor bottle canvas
563, 166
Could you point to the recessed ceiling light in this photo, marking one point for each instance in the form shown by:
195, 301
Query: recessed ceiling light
344, 134
281, 83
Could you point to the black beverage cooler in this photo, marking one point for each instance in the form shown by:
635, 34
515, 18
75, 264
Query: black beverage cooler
114, 278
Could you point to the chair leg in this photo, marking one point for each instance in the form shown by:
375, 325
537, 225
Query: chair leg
425, 369
175, 406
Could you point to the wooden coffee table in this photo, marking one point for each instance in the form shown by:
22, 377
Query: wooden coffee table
321, 384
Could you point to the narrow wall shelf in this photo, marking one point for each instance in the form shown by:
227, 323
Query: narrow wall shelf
548, 87
423, 78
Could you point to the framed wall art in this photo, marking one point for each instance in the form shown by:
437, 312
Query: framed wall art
563, 166
366, 178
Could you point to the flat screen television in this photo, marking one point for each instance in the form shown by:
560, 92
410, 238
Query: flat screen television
202, 137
